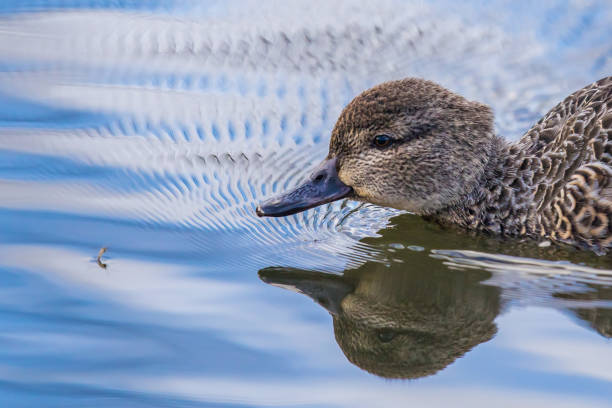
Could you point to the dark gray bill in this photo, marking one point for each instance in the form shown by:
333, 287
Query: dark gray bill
326, 289
323, 186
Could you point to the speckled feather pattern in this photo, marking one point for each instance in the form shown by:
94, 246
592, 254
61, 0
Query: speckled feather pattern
555, 182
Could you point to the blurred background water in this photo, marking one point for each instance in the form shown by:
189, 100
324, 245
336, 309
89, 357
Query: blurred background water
152, 128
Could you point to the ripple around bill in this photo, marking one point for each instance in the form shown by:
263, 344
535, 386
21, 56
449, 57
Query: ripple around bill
209, 181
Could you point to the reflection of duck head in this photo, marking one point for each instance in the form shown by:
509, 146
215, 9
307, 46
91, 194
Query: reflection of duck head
399, 323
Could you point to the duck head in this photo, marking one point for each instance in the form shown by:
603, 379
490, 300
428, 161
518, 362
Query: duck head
408, 144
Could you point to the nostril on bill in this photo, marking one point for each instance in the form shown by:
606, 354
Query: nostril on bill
319, 178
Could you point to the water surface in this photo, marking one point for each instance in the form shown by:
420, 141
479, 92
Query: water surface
153, 129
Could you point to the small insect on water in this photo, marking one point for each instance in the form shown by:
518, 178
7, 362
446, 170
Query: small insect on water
99, 258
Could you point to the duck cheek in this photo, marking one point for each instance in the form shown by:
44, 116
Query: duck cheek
350, 178
367, 183
363, 194
371, 194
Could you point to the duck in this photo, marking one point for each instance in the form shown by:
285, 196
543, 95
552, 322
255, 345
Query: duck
414, 145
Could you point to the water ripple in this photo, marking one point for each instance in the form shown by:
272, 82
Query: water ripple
188, 122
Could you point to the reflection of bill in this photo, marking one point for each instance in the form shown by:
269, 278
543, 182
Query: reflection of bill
400, 323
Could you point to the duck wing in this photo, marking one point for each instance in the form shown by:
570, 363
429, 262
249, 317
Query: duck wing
568, 158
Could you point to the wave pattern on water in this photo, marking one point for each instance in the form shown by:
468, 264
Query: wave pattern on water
154, 127
200, 116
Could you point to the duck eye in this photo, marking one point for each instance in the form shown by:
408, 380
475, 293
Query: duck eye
381, 141
385, 335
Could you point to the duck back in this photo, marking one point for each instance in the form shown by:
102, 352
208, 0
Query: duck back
563, 167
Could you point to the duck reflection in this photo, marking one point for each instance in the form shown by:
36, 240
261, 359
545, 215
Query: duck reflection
399, 322
409, 314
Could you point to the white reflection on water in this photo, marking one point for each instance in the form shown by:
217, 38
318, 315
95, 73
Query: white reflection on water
175, 296
329, 393
553, 344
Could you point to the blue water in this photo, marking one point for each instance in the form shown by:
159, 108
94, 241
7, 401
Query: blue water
152, 129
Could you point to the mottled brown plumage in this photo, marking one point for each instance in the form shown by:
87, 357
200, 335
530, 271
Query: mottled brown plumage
445, 162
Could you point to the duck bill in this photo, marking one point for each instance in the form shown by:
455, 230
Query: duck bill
322, 187
326, 289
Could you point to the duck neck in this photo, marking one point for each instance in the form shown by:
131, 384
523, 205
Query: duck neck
494, 204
